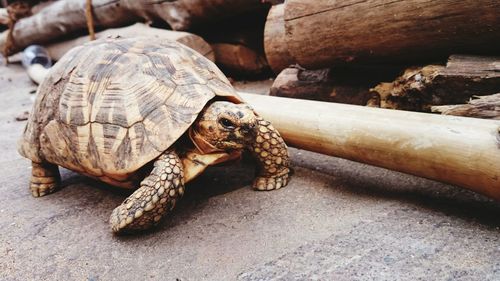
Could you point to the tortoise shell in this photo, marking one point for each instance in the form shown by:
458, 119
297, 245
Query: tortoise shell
109, 107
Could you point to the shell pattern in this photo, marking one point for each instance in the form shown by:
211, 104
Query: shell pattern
109, 107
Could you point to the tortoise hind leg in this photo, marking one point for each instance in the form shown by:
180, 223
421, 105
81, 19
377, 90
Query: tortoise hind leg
155, 197
45, 179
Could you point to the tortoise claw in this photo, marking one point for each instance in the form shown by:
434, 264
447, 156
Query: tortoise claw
270, 183
42, 189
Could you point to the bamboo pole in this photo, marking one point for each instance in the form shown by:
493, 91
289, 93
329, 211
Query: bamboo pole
456, 150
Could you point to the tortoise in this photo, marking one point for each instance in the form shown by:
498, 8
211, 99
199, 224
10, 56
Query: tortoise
144, 114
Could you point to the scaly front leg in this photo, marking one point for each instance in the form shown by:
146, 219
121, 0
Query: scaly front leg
272, 155
154, 199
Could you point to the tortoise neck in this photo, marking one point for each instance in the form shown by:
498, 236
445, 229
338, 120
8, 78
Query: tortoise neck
201, 144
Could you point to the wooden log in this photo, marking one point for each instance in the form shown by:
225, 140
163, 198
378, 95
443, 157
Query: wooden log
237, 59
299, 83
420, 88
238, 44
455, 150
275, 47
195, 42
68, 16
188, 14
486, 107
65, 17
323, 33
340, 84
246, 29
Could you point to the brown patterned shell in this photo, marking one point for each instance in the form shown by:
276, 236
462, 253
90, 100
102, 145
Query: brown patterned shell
111, 106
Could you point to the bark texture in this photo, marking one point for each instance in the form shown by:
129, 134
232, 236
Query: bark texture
65, 17
275, 45
422, 87
324, 33
239, 59
188, 14
349, 85
486, 107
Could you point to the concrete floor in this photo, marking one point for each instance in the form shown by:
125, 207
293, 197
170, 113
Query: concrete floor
336, 220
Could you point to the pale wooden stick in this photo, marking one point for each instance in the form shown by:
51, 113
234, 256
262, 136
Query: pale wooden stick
456, 150
90, 19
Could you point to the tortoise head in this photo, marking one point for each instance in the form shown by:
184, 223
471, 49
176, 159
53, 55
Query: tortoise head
224, 126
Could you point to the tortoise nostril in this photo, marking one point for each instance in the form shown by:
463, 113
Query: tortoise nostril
246, 128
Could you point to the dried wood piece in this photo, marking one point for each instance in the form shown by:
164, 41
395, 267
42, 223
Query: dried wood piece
455, 150
486, 107
275, 45
343, 85
193, 41
239, 59
420, 88
238, 44
323, 33
299, 83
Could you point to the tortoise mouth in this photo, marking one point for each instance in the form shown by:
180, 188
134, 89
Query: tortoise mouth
240, 138
230, 145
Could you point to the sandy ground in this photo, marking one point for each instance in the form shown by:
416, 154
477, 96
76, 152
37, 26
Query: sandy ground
336, 220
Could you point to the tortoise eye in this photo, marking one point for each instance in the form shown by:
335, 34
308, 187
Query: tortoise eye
227, 123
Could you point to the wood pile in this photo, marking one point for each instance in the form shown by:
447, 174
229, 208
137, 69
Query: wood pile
430, 56
413, 55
